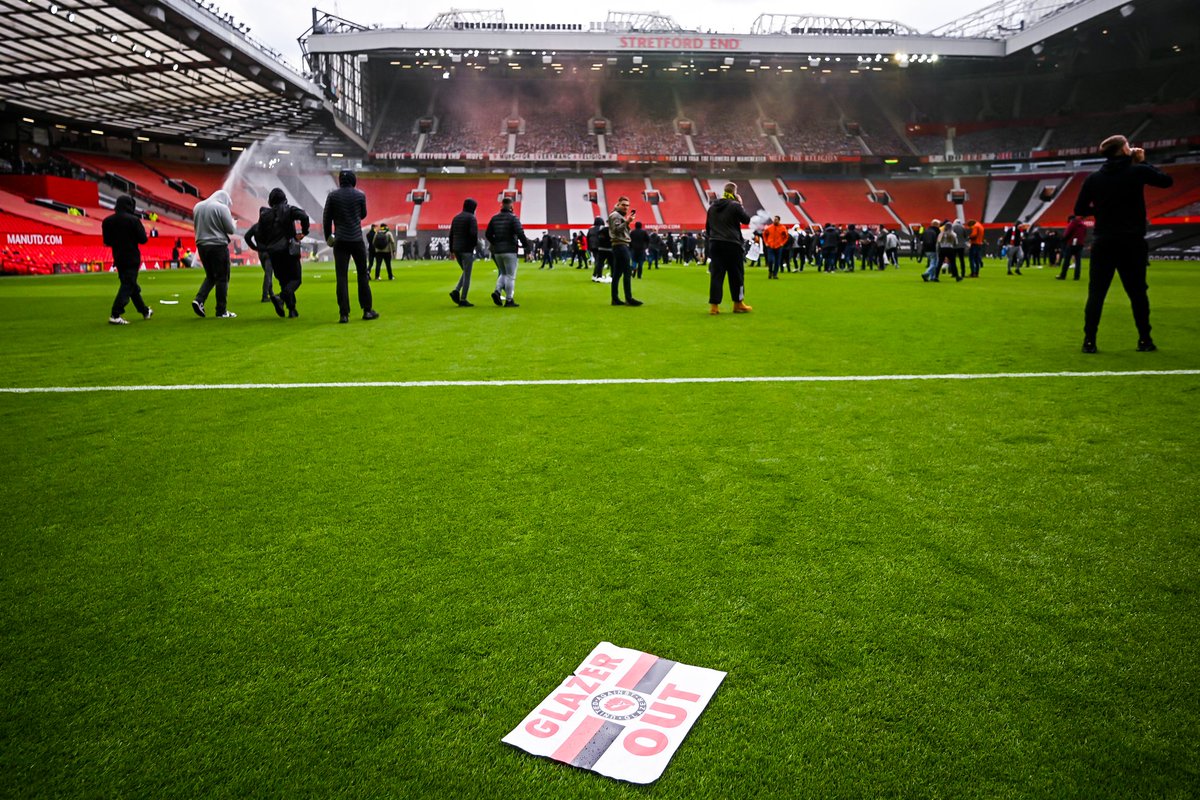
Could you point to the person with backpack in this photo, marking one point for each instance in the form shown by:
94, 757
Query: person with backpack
384, 246
277, 236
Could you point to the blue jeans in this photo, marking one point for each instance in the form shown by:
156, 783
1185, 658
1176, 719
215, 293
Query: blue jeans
931, 272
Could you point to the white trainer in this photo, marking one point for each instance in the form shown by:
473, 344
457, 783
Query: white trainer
117, 321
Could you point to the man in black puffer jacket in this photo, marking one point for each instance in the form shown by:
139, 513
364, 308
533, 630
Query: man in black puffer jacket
123, 232
345, 209
464, 238
505, 234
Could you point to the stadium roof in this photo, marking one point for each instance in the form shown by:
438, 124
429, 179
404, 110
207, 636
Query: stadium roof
173, 69
993, 32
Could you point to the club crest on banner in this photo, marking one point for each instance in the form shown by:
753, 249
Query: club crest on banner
623, 714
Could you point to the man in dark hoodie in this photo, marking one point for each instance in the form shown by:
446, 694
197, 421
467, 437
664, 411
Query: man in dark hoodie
464, 238
601, 246
723, 231
123, 232
345, 209
1115, 196
276, 238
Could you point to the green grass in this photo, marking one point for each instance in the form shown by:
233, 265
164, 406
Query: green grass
918, 588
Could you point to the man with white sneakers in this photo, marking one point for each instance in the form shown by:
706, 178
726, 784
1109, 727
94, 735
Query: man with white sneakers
214, 227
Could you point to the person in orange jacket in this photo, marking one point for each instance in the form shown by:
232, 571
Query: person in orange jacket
775, 238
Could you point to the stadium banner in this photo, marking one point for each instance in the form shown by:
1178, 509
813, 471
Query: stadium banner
622, 714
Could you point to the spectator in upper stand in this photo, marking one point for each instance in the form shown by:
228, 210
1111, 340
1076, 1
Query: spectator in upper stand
464, 239
1073, 239
214, 228
123, 232
345, 209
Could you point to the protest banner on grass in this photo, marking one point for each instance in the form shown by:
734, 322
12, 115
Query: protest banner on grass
622, 714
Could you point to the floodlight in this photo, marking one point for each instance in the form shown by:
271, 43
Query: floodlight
1127, 10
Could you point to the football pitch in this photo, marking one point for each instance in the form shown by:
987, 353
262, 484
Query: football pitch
348, 559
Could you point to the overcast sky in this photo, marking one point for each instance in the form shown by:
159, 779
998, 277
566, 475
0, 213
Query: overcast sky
280, 24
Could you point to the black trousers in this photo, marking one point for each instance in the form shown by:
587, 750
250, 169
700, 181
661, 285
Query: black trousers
129, 290
268, 276
383, 260
622, 270
1128, 258
342, 253
215, 259
287, 271
1072, 251
727, 259
602, 256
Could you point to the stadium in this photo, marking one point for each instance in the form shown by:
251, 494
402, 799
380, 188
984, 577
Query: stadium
937, 551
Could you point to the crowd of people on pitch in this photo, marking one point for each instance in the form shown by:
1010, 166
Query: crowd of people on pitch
1113, 195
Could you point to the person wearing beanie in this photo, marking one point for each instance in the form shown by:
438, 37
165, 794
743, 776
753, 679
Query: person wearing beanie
345, 209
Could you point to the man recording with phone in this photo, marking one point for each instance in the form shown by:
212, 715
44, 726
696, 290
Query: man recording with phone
618, 230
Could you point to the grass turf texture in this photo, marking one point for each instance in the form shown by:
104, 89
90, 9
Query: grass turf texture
918, 589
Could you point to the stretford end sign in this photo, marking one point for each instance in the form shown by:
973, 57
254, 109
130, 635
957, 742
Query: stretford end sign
622, 714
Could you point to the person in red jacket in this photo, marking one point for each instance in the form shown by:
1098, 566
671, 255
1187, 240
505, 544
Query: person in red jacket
1073, 239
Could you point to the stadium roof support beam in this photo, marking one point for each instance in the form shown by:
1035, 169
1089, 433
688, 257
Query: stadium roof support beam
455, 19
640, 22
795, 24
1023, 23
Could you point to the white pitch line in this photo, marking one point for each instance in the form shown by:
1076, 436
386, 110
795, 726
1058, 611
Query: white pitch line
208, 387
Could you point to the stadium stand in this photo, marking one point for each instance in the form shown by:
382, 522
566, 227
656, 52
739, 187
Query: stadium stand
840, 202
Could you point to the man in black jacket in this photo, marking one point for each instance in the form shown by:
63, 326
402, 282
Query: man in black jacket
123, 232
723, 231
345, 209
276, 236
1115, 196
464, 238
505, 235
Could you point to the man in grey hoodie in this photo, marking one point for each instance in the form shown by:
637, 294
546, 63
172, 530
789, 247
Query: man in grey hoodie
214, 226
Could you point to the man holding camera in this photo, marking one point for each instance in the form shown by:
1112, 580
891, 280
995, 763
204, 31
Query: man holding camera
1115, 196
